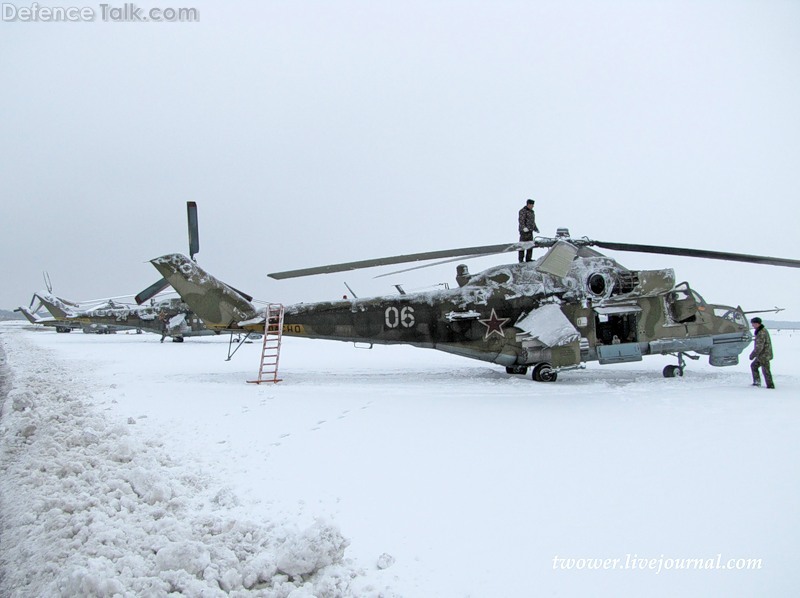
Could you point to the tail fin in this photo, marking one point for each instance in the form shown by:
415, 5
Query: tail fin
29, 315
219, 305
54, 306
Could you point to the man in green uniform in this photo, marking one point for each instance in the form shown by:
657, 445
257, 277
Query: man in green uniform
761, 354
527, 226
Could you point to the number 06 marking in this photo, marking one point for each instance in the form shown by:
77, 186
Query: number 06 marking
396, 317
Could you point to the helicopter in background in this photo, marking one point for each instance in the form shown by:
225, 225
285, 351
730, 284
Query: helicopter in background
168, 317
61, 305
50, 322
571, 306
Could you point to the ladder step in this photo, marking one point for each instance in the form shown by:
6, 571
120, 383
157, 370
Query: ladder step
270, 350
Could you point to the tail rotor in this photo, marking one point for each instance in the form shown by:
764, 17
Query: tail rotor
194, 248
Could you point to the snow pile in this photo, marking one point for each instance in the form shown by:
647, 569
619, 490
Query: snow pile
450, 477
91, 509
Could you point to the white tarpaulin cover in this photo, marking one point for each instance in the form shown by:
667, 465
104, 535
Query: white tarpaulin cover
548, 325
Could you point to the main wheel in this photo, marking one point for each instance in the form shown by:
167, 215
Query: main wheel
517, 369
543, 372
671, 371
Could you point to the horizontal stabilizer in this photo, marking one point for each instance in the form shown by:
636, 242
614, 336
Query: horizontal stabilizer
151, 291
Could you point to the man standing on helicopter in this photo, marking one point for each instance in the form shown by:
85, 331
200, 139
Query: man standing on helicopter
527, 226
761, 354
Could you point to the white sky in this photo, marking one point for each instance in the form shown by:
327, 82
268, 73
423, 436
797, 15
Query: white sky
313, 132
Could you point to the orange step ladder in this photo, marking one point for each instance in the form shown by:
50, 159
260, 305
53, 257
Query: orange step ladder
271, 350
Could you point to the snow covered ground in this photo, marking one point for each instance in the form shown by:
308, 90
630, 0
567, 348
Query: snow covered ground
135, 468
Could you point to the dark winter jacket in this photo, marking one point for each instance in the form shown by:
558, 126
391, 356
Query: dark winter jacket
527, 219
763, 345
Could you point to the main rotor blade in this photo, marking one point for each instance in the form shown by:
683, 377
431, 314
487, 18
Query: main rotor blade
439, 263
465, 252
411, 257
702, 253
151, 291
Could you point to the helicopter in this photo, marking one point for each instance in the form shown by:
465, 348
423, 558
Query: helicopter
168, 317
571, 306
59, 305
59, 325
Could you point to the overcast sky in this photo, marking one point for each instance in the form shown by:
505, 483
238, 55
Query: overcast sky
316, 132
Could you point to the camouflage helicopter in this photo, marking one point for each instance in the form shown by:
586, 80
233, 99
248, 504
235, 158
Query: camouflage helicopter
168, 317
571, 306
59, 325
60, 306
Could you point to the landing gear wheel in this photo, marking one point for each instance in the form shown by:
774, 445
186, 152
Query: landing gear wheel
671, 371
543, 372
517, 369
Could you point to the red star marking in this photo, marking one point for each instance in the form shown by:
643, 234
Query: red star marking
494, 325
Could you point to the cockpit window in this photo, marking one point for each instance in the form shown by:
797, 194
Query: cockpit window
682, 304
698, 297
730, 314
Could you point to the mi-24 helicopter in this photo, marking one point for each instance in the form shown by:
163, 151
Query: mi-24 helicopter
167, 317
571, 306
56, 305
